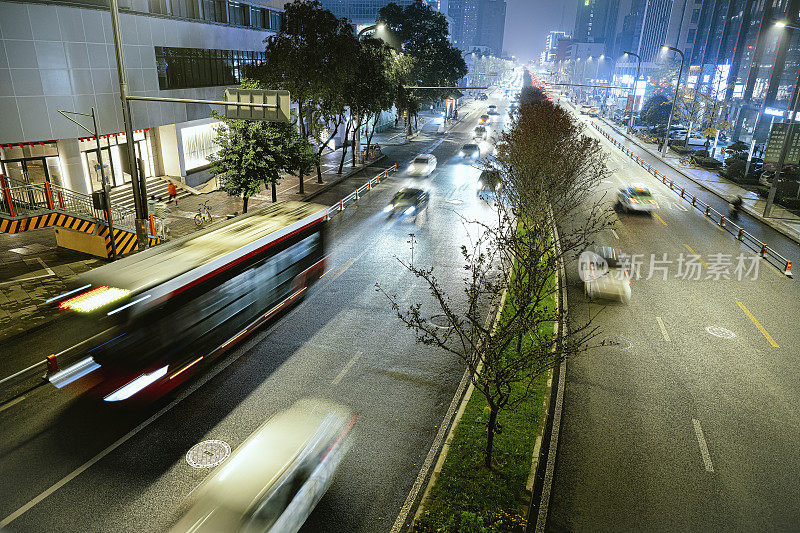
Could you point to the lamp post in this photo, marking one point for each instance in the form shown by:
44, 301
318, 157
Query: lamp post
635, 81
376, 26
674, 100
793, 101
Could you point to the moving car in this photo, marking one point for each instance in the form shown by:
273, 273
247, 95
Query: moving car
636, 199
604, 274
422, 165
492, 110
483, 96
488, 183
276, 477
408, 201
470, 151
484, 119
480, 132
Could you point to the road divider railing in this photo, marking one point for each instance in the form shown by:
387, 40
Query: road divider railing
354, 196
49, 366
724, 222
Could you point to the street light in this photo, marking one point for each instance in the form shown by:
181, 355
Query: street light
675, 99
377, 26
789, 130
635, 81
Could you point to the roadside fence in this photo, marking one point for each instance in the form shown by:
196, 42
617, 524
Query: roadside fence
359, 192
709, 212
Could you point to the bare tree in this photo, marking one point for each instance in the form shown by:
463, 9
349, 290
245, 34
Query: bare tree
547, 170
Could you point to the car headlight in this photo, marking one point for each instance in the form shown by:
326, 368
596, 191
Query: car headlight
410, 168
410, 210
388, 208
461, 153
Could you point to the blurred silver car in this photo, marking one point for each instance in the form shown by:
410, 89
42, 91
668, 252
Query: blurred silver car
422, 165
636, 199
273, 481
604, 274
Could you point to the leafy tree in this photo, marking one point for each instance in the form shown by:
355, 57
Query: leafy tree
656, 109
423, 36
306, 57
251, 152
301, 156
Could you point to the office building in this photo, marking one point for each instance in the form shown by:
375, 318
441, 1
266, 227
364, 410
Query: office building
60, 56
551, 44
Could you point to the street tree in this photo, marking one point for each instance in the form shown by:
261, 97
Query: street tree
251, 153
305, 56
423, 36
300, 155
548, 169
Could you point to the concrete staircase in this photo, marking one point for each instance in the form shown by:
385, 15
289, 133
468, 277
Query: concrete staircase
122, 196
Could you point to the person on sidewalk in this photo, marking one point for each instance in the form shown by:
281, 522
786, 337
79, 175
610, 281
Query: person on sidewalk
455, 114
173, 193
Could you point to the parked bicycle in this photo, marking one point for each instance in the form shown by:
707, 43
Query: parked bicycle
687, 160
373, 153
203, 214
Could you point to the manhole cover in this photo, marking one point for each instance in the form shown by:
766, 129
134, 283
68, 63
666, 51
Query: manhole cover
618, 342
208, 453
720, 332
440, 321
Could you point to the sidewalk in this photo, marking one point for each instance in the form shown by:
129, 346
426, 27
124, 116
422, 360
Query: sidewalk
781, 219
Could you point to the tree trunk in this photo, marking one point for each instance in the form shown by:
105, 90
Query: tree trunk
344, 147
300, 173
322, 149
244, 203
274, 190
354, 147
490, 437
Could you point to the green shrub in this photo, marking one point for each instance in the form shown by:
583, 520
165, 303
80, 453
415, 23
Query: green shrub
789, 202
680, 149
734, 168
707, 162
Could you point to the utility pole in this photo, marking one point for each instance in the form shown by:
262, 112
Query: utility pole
138, 185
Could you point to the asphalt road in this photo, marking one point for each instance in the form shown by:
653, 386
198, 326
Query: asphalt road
686, 419
70, 465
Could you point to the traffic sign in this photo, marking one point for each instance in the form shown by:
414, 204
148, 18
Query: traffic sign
777, 135
276, 110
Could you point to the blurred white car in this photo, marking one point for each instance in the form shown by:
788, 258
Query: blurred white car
636, 199
422, 165
273, 481
604, 274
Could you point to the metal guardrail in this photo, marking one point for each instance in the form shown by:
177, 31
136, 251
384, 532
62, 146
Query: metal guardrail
22, 199
715, 216
50, 365
357, 193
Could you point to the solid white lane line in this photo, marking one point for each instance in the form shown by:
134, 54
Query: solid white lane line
701, 440
15, 401
663, 329
350, 363
614, 233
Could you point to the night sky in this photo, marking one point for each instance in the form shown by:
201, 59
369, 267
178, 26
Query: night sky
529, 21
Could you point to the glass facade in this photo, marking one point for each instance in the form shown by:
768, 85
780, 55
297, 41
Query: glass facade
185, 68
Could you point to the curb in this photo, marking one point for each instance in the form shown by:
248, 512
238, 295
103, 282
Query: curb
786, 232
337, 181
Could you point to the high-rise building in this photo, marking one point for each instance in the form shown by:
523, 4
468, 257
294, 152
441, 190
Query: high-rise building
551, 44
596, 22
491, 26
61, 57
465, 22
654, 29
